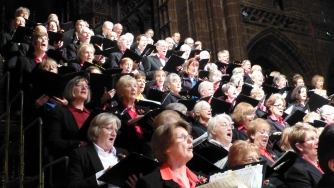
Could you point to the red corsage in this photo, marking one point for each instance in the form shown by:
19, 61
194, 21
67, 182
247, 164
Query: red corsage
201, 180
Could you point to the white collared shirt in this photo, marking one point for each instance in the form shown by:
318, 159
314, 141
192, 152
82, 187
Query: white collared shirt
212, 141
107, 159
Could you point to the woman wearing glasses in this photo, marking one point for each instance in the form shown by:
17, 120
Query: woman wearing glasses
65, 122
220, 137
306, 171
88, 163
275, 106
258, 133
172, 145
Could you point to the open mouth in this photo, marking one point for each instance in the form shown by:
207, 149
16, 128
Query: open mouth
229, 134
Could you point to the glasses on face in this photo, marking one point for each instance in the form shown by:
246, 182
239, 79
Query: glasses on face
264, 132
42, 38
225, 125
252, 160
184, 137
111, 129
312, 139
129, 86
82, 85
50, 66
279, 106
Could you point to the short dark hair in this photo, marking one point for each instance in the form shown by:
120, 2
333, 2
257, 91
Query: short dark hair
325, 148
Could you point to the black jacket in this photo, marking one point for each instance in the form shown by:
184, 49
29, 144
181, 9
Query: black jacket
302, 174
128, 138
169, 97
84, 163
151, 64
327, 181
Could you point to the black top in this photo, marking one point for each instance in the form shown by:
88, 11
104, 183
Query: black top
327, 181
302, 174
84, 164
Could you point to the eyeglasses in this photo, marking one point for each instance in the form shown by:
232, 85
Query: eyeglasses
50, 66
184, 137
110, 129
311, 139
43, 38
279, 106
263, 132
82, 85
252, 160
225, 125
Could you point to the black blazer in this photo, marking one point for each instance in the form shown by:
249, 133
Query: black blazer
169, 97
275, 126
302, 174
212, 152
128, 138
248, 79
62, 132
238, 135
151, 64
327, 181
83, 165
71, 51
114, 59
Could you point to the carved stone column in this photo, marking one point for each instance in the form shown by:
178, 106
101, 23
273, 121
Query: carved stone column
234, 30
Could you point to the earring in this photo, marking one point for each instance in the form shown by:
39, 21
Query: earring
252, 137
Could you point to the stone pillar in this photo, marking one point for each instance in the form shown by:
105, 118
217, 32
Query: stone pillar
234, 30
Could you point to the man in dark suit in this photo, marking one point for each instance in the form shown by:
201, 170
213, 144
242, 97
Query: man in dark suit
106, 28
155, 62
84, 36
246, 65
123, 43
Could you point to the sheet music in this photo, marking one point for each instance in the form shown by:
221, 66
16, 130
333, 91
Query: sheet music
250, 176
228, 181
288, 111
221, 163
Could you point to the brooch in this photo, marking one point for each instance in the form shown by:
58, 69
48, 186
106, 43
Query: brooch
201, 180
121, 156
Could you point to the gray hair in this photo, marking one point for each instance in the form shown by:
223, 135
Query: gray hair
169, 79
100, 121
204, 85
198, 105
106, 23
278, 78
227, 86
177, 107
214, 121
326, 110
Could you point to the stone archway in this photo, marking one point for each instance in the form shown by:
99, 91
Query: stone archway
274, 51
